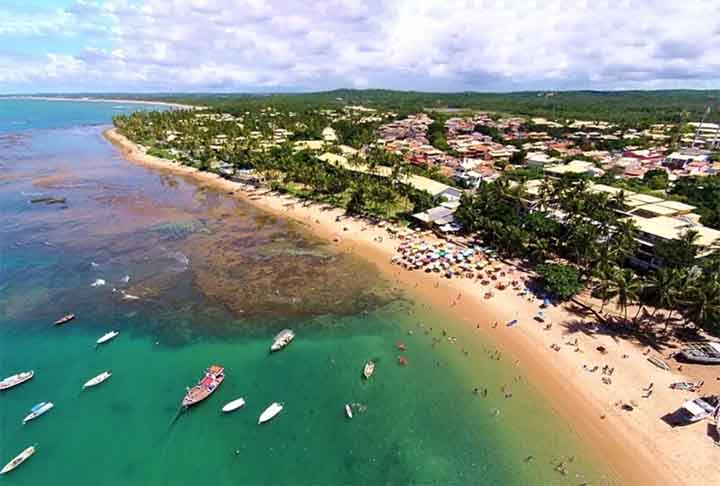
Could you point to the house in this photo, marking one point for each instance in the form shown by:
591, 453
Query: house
540, 160
578, 167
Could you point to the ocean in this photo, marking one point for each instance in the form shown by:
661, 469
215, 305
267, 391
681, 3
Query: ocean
192, 278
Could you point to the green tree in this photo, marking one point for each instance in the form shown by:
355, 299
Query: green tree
562, 281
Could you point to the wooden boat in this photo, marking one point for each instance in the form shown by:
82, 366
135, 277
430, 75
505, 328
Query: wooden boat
658, 362
348, 411
15, 380
207, 385
282, 339
38, 410
270, 412
702, 353
97, 380
19, 459
65, 319
234, 405
369, 369
107, 337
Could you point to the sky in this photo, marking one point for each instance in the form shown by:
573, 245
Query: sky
431, 45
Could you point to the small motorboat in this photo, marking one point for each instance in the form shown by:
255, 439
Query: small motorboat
369, 369
348, 411
208, 384
19, 459
38, 410
15, 380
64, 319
282, 339
234, 405
270, 412
107, 337
698, 409
97, 380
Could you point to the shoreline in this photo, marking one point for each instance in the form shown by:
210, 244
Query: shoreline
636, 446
87, 99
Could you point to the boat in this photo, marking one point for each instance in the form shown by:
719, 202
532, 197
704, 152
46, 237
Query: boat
659, 363
64, 319
369, 369
702, 353
38, 410
697, 409
348, 411
234, 405
15, 380
210, 382
270, 412
19, 459
97, 380
512, 323
107, 337
282, 339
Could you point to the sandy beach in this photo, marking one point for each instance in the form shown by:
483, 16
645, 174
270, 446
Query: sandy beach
86, 99
637, 445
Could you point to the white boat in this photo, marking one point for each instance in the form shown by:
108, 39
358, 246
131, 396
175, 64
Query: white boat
234, 405
15, 380
19, 459
368, 369
98, 379
348, 411
282, 339
38, 410
107, 337
270, 412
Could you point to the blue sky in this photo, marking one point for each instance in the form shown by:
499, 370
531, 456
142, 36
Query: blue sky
436, 45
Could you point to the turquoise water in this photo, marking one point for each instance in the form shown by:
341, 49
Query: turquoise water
17, 115
216, 279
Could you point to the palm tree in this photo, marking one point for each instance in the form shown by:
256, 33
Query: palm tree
703, 298
625, 286
663, 288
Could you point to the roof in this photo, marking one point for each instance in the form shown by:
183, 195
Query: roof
678, 206
434, 214
309, 145
672, 228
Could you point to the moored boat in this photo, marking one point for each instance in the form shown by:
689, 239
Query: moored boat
348, 411
369, 369
107, 337
270, 412
702, 353
64, 319
15, 380
207, 385
282, 339
38, 410
234, 405
97, 380
19, 459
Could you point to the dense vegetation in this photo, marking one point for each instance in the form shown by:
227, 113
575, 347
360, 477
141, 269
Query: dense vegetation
631, 107
703, 192
598, 243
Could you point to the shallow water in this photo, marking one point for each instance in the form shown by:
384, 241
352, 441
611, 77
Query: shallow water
215, 280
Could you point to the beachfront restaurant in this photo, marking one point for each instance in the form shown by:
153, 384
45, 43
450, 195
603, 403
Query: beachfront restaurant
440, 218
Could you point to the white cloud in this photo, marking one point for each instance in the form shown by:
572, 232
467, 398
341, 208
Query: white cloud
442, 44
